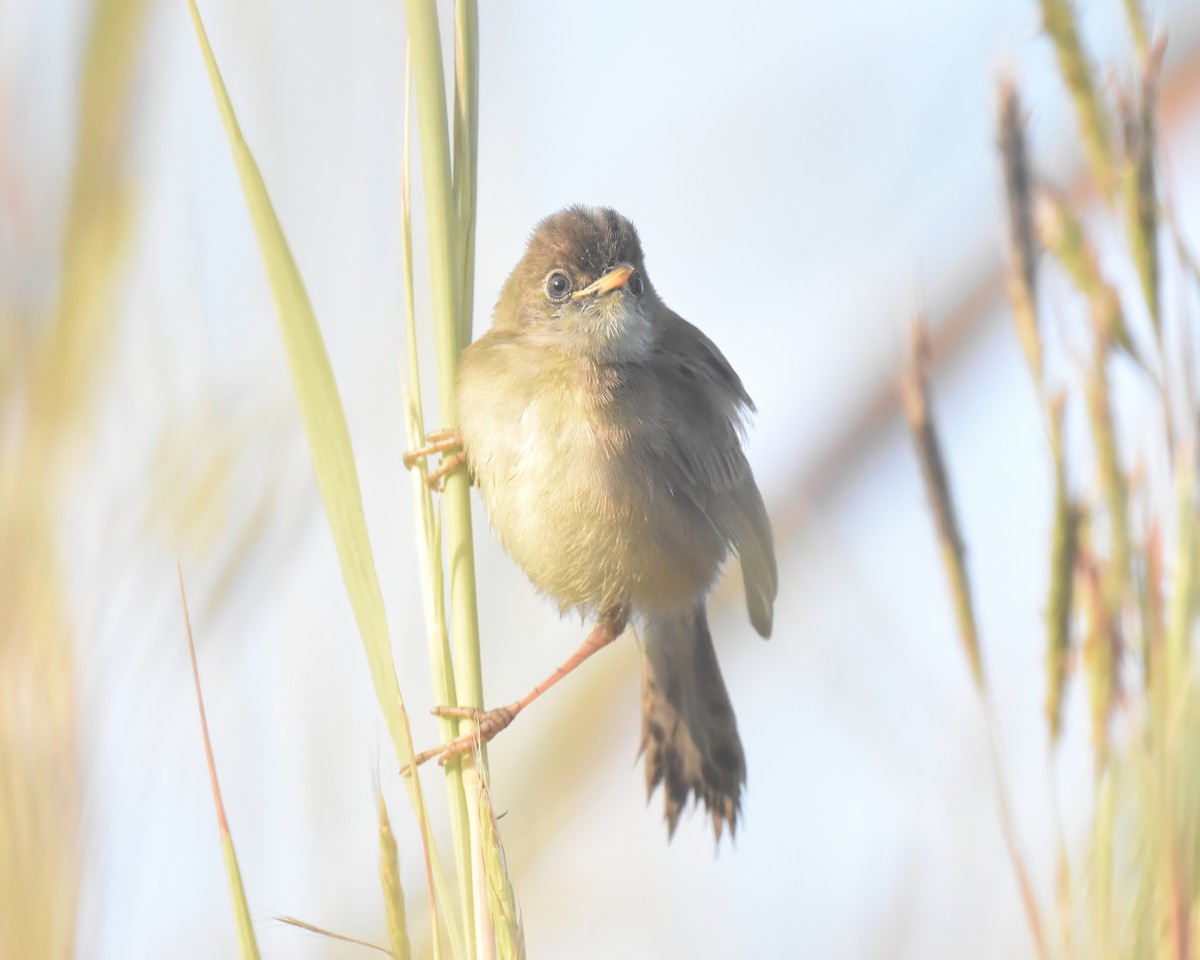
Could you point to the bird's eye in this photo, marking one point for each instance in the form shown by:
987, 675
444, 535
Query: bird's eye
634, 284
558, 285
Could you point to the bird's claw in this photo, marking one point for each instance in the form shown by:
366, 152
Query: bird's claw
444, 442
488, 723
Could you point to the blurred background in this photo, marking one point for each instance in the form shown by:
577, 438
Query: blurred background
806, 178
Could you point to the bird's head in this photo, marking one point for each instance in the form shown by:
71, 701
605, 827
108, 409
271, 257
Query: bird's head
581, 287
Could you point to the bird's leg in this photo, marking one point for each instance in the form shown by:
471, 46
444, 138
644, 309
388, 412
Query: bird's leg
491, 722
441, 441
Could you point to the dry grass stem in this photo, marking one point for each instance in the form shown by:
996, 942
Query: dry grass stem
1114, 486
1058, 18
1182, 614
1101, 646
1064, 545
331, 935
1140, 189
1137, 890
1135, 16
914, 393
1022, 243
247, 944
1062, 234
1153, 608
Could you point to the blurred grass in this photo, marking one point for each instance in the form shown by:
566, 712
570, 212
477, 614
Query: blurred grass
1058, 20
918, 408
1116, 612
42, 413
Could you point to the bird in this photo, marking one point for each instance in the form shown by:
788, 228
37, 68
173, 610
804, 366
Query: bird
605, 435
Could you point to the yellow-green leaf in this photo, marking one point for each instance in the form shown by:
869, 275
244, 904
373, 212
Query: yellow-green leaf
328, 440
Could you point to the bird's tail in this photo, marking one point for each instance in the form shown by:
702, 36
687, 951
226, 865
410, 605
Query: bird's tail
689, 733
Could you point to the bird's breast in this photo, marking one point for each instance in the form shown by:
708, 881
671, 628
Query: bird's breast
571, 472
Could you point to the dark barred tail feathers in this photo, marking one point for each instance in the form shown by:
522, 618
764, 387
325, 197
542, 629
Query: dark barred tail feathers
689, 733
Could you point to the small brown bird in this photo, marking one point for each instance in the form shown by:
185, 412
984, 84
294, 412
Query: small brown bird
603, 431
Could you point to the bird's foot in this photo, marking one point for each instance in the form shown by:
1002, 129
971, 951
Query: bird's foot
488, 724
444, 442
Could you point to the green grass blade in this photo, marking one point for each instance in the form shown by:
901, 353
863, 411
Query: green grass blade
429, 538
328, 439
466, 153
320, 409
445, 264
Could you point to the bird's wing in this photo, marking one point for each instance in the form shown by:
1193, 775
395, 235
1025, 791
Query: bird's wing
706, 398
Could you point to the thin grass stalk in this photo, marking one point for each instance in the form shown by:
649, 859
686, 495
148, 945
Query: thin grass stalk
1170, 760
247, 944
1182, 613
331, 934
1154, 615
1104, 938
441, 224
1114, 486
439, 893
1099, 656
914, 393
1187, 836
466, 153
1186, 384
1140, 190
465, 178
1023, 251
1062, 885
1149, 920
429, 554
1181, 920
1064, 545
1008, 827
1135, 16
1058, 18
1061, 233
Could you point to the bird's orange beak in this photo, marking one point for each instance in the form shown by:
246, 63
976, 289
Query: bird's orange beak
616, 278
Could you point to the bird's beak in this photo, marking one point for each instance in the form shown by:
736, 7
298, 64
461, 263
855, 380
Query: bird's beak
616, 278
